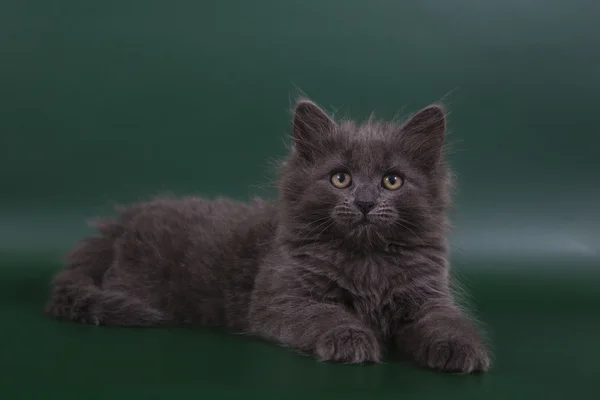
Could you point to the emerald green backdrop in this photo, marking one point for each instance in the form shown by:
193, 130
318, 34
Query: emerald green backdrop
115, 101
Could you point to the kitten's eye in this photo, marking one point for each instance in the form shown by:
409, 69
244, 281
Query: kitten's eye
341, 180
392, 182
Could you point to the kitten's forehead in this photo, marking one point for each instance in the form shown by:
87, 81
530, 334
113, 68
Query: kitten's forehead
369, 146
370, 130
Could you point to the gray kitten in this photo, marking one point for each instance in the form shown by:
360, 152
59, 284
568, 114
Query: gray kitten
352, 256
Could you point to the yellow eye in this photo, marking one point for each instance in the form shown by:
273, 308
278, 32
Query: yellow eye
392, 182
341, 180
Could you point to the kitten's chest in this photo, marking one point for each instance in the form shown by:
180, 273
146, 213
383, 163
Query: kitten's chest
366, 288
376, 313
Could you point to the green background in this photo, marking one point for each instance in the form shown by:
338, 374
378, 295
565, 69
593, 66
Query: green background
115, 101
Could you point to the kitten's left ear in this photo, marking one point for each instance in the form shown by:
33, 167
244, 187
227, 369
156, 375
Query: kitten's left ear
311, 124
424, 135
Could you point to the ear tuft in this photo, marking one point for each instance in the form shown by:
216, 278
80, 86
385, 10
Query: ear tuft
310, 124
429, 121
424, 133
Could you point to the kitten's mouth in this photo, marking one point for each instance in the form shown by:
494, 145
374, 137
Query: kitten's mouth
364, 221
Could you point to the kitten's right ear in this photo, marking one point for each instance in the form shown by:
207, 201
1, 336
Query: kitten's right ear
310, 125
424, 135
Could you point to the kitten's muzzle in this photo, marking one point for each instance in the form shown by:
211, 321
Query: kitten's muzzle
364, 206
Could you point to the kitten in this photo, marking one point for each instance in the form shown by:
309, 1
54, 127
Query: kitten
352, 256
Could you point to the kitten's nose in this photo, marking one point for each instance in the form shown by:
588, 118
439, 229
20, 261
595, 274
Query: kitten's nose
364, 206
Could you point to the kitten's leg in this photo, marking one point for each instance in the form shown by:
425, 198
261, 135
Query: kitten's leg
76, 299
80, 293
440, 336
326, 330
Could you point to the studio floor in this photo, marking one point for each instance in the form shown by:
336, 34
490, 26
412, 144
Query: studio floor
545, 334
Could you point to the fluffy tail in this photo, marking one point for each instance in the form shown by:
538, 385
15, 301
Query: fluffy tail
77, 292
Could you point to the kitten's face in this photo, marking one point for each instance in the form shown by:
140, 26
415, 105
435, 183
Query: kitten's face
371, 183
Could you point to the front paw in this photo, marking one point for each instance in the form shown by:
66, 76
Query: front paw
455, 355
349, 346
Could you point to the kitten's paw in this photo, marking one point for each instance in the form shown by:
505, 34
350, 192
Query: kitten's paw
348, 345
455, 355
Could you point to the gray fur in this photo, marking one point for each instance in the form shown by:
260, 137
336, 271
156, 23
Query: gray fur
309, 271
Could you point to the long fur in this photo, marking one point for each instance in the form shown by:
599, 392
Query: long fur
309, 271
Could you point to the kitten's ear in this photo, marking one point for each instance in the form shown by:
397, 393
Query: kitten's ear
311, 125
424, 133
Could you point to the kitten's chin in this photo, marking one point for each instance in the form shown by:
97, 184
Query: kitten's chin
368, 222
363, 234
357, 225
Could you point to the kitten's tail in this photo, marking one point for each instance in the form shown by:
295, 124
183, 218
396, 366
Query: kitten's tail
77, 292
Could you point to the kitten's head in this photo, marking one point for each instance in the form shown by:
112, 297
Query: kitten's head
370, 184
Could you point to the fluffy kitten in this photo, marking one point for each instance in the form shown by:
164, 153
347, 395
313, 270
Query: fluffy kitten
352, 256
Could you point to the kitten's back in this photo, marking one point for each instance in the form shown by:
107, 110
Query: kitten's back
189, 260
